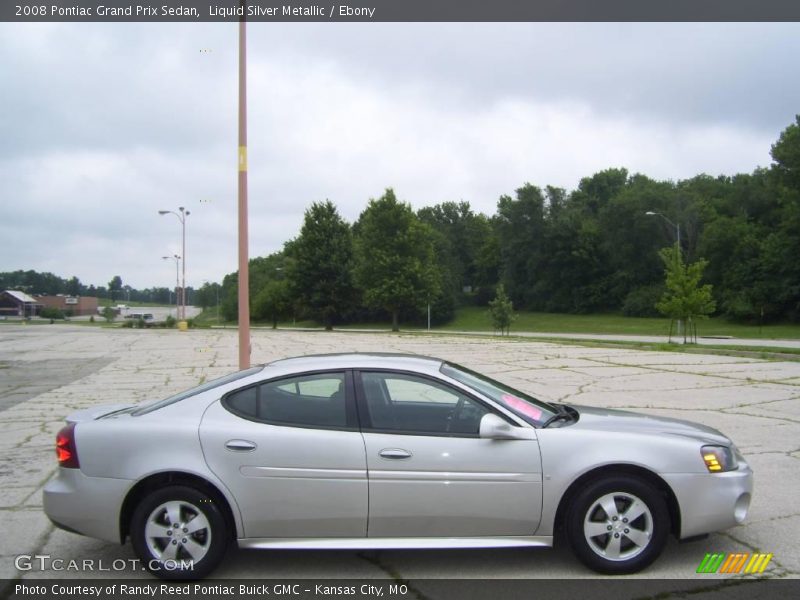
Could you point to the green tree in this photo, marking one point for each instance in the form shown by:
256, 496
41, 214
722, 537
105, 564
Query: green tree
109, 314
207, 294
272, 302
322, 274
115, 285
262, 270
786, 154
395, 262
460, 238
684, 298
520, 227
74, 287
501, 310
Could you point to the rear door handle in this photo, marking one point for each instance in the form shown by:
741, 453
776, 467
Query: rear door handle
395, 453
240, 445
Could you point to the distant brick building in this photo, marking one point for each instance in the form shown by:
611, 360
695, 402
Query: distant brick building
14, 303
75, 305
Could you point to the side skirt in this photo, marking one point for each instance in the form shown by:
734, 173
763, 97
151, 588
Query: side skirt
544, 541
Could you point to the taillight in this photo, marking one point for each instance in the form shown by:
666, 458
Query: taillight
65, 448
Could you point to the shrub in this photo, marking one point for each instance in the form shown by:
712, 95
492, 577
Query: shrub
51, 313
170, 322
501, 311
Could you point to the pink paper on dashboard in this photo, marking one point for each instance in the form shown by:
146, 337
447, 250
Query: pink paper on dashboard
521, 406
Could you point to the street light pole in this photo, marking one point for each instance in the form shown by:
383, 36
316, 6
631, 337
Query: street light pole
675, 225
678, 239
177, 260
182, 218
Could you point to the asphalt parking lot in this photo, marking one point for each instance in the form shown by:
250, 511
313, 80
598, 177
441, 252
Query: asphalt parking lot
47, 372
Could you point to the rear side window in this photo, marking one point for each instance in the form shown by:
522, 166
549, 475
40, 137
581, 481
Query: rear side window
314, 400
150, 407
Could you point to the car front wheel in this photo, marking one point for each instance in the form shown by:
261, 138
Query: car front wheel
179, 533
618, 525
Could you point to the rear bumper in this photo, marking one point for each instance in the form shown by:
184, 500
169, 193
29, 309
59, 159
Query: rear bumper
712, 502
86, 505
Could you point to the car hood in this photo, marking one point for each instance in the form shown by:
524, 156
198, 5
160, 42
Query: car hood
606, 419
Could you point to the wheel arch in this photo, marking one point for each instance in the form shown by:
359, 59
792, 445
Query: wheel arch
159, 480
621, 470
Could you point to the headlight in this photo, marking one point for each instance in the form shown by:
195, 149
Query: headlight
719, 459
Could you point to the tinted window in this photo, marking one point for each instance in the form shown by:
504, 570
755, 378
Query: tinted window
316, 400
409, 404
244, 402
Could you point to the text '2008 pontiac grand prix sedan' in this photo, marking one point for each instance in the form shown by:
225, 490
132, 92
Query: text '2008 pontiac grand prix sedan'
371, 451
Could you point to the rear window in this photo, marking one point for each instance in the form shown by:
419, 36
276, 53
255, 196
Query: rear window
209, 385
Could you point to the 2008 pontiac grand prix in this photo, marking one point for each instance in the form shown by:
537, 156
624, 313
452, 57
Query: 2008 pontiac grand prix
369, 451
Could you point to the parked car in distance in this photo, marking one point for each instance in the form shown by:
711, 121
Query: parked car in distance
371, 451
144, 316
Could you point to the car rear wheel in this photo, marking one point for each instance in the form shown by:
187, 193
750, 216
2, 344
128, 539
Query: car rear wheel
618, 525
179, 533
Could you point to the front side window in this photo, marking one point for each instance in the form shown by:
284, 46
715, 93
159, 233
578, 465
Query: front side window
415, 405
314, 400
535, 412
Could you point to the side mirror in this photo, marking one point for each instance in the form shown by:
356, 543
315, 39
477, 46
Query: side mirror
494, 428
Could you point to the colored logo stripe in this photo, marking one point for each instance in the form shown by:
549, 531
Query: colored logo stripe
711, 563
734, 562
758, 563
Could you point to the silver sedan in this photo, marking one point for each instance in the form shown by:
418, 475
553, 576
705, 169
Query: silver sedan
377, 451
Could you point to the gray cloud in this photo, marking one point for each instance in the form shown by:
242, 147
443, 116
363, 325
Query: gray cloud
103, 125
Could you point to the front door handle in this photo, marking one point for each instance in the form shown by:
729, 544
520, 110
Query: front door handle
240, 445
395, 453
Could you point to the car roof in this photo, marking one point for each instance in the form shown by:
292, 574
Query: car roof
358, 360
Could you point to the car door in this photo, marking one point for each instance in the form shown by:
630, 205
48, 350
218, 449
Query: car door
291, 453
430, 474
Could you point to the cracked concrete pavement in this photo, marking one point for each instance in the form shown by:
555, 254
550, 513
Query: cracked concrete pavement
47, 372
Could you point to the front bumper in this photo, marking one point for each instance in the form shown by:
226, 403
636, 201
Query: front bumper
712, 502
86, 505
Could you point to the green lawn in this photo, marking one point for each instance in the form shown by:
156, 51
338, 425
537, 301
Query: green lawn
477, 319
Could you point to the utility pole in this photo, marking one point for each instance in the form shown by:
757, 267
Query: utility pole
244, 274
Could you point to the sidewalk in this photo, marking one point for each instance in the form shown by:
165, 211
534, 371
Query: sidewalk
603, 337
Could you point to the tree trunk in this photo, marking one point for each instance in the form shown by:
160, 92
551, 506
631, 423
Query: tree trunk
395, 326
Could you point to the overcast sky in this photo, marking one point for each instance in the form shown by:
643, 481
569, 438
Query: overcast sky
102, 125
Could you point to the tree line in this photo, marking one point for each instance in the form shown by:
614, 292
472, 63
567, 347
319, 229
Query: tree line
47, 284
594, 249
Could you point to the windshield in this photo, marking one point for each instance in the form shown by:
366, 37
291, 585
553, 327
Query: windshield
527, 407
209, 385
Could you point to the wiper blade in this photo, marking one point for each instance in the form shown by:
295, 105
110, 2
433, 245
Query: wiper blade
558, 417
562, 415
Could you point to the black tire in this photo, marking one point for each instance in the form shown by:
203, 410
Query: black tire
189, 551
618, 547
